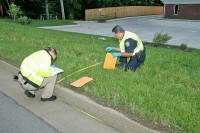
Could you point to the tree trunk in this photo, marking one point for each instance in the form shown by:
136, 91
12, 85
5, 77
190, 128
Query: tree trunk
7, 2
62, 9
5, 6
1, 11
47, 8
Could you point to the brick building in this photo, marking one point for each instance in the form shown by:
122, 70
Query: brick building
182, 9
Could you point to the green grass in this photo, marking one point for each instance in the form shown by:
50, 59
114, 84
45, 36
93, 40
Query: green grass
40, 23
165, 90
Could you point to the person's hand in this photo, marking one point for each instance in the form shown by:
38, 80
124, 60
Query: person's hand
54, 66
116, 54
108, 49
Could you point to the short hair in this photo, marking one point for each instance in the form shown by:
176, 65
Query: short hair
49, 48
118, 29
53, 50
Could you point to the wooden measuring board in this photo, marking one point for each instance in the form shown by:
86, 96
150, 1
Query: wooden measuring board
109, 62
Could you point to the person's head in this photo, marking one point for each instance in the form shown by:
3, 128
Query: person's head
118, 31
52, 52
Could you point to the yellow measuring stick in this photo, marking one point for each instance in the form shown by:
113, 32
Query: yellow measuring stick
78, 71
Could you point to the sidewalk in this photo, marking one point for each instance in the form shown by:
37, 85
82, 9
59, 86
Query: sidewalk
57, 113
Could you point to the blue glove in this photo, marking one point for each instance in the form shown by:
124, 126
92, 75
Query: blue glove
116, 54
54, 66
108, 49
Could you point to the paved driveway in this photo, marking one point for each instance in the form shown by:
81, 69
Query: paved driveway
182, 31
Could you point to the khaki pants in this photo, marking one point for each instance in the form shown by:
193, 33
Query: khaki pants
47, 86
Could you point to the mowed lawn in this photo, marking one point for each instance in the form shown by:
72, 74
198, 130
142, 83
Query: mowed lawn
164, 92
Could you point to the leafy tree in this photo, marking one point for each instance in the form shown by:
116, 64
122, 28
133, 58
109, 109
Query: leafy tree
74, 9
14, 10
4, 4
158, 3
34, 8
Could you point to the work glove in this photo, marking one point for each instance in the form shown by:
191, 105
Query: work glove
54, 66
116, 54
108, 49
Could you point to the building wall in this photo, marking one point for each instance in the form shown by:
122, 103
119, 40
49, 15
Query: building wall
185, 11
181, 1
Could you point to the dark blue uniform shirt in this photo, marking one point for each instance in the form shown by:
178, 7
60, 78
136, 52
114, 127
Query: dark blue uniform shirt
130, 45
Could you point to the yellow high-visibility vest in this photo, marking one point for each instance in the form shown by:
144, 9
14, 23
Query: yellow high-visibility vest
133, 36
37, 66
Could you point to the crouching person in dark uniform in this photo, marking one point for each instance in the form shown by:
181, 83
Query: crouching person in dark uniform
131, 49
36, 72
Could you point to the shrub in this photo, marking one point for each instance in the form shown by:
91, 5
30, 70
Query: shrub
24, 20
160, 39
183, 46
14, 11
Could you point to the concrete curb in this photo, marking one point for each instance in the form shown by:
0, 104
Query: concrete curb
82, 103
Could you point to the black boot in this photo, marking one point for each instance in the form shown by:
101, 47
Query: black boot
15, 77
52, 98
120, 65
28, 94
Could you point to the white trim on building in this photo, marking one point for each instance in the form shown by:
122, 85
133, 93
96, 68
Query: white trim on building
181, 1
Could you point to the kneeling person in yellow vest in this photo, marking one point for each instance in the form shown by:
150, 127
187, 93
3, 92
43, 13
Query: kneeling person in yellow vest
36, 72
130, 47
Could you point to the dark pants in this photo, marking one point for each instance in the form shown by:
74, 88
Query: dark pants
134, 61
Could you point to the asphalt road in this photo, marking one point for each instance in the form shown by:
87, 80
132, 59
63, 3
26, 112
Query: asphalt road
16, 119
182, 31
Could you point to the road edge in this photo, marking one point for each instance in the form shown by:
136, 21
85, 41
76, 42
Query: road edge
87, 106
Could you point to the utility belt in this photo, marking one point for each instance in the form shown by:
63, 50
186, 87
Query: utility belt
27, 81
140, 56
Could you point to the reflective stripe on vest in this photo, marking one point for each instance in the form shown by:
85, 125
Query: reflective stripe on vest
133, 36
31, 73
32, 65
